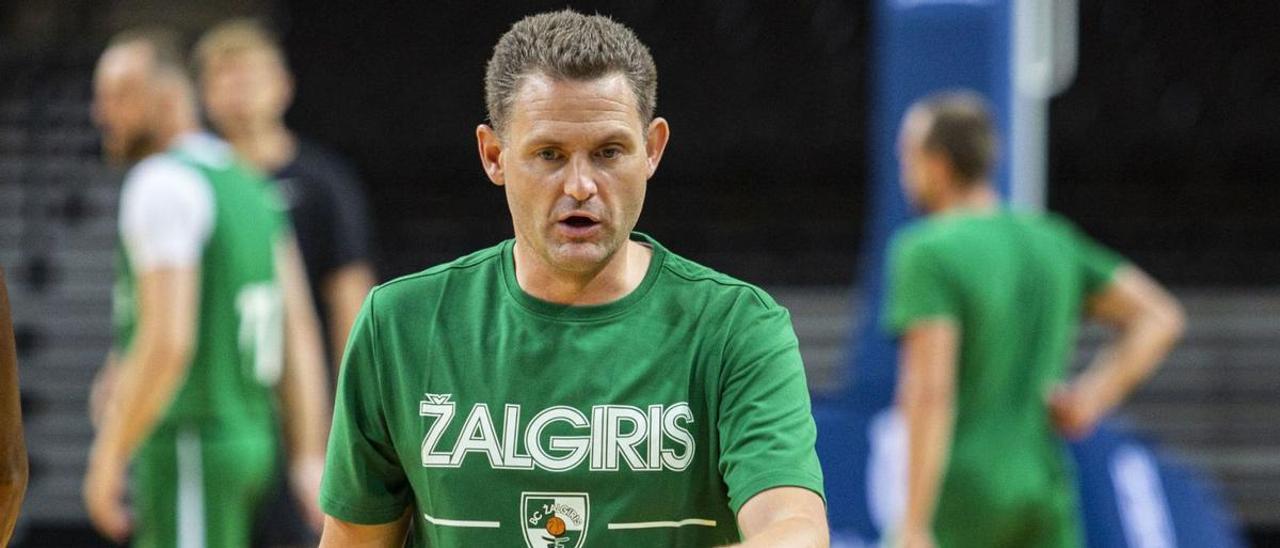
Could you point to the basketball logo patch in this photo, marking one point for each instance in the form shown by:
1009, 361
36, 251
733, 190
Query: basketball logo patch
554, 520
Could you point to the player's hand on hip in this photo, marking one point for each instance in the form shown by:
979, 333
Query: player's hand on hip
1073, 412
104, 489
304, 477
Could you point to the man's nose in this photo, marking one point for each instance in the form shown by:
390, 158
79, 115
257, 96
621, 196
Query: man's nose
580, 183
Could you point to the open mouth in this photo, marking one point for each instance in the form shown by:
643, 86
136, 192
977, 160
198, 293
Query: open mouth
578, 221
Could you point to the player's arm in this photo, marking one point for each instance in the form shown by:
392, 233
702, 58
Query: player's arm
1148, 320
926, 397
302, 390
103, 385
145, 385
341, 534
784, 517
13, 450
344, 291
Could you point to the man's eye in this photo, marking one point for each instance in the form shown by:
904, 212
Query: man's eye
610, 153
548, 154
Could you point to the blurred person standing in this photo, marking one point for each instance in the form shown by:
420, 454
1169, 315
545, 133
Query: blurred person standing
212, 316
246, 87
13, 449
987, 303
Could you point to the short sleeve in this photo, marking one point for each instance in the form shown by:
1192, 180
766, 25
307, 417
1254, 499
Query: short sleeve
166, 214
765, 424
917, 287
363, 481
1097, 263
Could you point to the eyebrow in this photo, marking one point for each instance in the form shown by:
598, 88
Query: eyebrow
617, 136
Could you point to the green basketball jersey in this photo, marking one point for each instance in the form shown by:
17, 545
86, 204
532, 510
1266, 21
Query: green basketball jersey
1015, 284
505, 420
238, 351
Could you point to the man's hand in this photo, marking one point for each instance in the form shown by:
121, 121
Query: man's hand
304, 479
1074, 413
104, 489
1148, 321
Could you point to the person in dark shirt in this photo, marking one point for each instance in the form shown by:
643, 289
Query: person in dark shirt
246, 88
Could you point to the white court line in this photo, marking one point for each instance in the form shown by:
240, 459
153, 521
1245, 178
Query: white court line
657, 524
461, 522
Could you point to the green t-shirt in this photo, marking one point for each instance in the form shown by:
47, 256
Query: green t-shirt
237, 355
1015, 284
504, 420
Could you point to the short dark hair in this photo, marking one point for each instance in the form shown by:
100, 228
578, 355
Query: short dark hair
568, 45
166, 45
961, 127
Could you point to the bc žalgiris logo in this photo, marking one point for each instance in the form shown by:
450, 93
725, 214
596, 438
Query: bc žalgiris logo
554, 520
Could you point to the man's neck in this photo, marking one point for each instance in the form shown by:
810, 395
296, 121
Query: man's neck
169, 135
619, 276
268, 147
980, 197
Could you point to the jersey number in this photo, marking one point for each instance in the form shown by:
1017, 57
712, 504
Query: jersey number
261, 337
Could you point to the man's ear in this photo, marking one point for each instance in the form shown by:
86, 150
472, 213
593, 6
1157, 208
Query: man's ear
490, 147
656, 142
938, 170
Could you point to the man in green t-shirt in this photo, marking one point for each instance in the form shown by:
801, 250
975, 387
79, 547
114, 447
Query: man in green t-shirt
579, 385
987, 302
212, 317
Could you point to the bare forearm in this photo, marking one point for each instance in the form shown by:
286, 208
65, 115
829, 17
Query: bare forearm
344, 293
927, 399
303, 397
792, 532
1123, 364
304, 391
144, 388
929, 430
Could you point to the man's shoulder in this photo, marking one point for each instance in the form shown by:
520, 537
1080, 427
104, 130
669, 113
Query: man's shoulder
926, 232
419, 285
160, 166
691, 277
162, 177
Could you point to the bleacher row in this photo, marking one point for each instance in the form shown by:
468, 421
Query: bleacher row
1215, 402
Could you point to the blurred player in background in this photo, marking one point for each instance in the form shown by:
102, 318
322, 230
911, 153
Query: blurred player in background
578, 382
246, 88
987, 303
13, 450
212, 316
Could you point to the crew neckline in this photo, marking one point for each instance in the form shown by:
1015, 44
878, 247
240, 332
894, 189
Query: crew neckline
582, 313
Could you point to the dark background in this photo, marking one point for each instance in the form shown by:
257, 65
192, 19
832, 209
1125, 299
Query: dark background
763, 177
1165, 147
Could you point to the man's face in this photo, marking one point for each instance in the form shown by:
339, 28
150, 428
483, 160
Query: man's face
124, 101
245, 89
575, 159
917, 164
